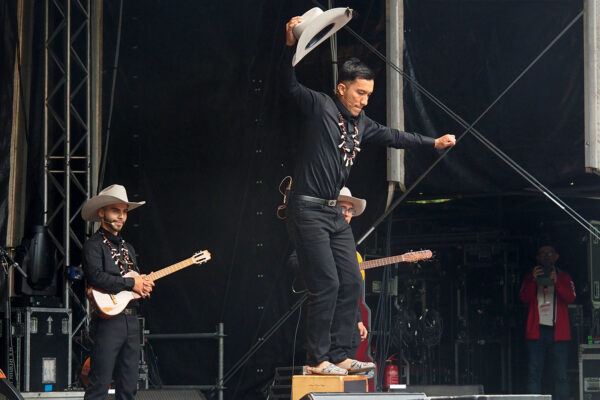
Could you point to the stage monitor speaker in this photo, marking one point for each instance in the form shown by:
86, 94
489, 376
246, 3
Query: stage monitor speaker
443, 390
169, 395
7, 390
359, 396
159, 394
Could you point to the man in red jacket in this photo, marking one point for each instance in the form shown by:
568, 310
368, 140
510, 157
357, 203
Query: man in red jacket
547, 291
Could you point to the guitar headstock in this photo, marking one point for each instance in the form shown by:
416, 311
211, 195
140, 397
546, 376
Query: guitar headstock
414, 256
201, 257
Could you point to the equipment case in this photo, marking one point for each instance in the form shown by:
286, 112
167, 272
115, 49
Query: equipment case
589, 372
44, 344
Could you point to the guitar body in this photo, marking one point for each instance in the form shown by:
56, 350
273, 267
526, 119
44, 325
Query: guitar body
110, 305
363, 351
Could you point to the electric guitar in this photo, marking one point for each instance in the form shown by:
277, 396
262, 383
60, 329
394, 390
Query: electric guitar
412, 256
108, 305
363, 352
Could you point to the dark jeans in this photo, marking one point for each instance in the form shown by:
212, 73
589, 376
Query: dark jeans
116, 348
558, 353
329, 267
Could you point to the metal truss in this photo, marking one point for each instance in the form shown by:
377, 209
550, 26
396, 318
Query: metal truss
67, 142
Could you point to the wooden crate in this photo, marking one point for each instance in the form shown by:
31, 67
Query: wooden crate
303, 384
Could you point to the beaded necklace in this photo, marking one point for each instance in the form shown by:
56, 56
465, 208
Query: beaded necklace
124, 263
349, 154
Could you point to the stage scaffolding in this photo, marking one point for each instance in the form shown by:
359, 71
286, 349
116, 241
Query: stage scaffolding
72, 123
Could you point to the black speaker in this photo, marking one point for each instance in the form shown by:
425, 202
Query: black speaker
8, 391
169, 395
38, 258
357, 396
443, 390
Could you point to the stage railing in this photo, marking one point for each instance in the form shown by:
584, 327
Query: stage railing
219, 335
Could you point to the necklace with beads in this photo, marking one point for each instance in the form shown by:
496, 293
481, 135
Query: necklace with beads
346, 138
124, 263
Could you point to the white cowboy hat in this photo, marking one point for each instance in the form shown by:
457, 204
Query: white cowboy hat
113, 194
359, 204
316, 27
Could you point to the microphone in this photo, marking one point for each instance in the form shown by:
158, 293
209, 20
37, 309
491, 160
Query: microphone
108, 221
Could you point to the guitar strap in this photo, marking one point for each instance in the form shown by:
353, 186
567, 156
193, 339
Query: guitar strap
122, 259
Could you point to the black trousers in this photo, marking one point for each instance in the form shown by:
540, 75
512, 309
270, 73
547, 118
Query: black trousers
329, 267
116, 350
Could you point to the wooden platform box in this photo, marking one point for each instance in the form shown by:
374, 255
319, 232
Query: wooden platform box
303, 384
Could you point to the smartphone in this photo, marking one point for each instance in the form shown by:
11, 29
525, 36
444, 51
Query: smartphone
544, 279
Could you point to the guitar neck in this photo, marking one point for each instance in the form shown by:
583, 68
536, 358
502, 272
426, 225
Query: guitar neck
161, 273
380, 262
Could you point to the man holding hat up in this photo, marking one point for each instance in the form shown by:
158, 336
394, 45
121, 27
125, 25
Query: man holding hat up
106, 258
334, 130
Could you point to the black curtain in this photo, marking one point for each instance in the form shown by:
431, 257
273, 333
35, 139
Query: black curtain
466, 54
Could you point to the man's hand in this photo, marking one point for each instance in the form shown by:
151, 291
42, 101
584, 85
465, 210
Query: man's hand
445, 141
537, 271
362, 329
143, 285
290, 39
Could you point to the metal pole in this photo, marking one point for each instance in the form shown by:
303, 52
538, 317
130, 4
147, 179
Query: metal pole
97, 32
591, 63
46, 158
334, 58
67, 160
394, 93
220, 372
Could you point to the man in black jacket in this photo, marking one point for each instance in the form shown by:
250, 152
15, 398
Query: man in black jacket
106, 258
334, 128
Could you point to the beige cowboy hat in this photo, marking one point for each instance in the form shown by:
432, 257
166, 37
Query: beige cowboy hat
316, 27
113, 194
359, 204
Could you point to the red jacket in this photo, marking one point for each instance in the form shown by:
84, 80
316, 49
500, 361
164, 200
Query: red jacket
564, 293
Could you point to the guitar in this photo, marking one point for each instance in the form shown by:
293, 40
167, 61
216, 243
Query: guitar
363, 352
412, 256
108, 305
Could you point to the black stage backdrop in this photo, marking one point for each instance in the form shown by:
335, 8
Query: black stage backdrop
467, 53
201, 133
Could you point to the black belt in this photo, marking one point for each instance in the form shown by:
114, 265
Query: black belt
324, 202
129, 311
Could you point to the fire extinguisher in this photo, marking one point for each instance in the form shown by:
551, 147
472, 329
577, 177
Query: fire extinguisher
390, 374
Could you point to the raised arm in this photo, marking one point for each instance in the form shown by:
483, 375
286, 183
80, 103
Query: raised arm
304, 97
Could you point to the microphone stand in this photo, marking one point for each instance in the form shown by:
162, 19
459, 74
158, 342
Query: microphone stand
7, 262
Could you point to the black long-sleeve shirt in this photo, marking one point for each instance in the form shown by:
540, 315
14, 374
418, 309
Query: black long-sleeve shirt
320, 167
99, 267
